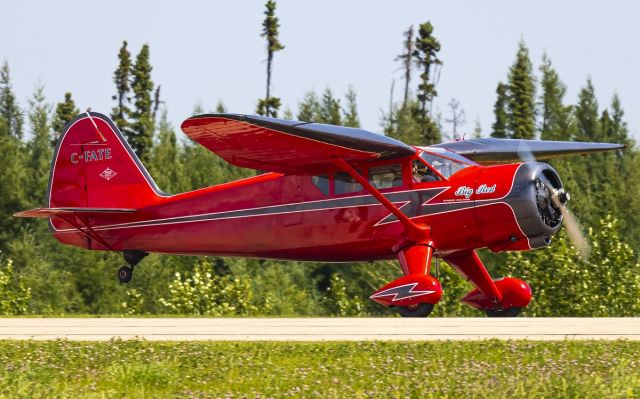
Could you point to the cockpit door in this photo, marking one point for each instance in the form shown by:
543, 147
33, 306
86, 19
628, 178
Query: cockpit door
292, 196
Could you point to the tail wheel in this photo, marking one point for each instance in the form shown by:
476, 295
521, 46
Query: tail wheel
418, 310
124, 274
509, 312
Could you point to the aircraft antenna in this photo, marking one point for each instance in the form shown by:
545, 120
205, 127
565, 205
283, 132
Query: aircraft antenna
95, 125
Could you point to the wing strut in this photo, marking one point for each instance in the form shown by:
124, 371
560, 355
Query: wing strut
414, 232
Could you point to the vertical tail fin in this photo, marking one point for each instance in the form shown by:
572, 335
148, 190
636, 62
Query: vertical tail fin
93, 166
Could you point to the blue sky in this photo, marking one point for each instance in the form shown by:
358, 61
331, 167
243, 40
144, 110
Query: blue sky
203, 51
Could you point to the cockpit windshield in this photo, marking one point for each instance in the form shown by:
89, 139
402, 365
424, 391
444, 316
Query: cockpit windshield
445, 162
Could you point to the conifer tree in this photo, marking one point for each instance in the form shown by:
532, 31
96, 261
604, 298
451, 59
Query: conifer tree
122, 78
521, 99
141, 135
156, 103
65, 111
11, 118
619, 132
499, 127
165, 165
330, 109
269, 105
403, 123
38, 146
477, 129
587, 114
220, 107
351, 118
406, 59
14, 179
198, 109
425, 56
309, 108
555, 116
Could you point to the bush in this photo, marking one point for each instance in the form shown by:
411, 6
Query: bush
14, 296
204, 293
564, 284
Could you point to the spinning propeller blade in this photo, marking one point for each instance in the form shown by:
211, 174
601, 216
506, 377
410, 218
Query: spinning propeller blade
559, 199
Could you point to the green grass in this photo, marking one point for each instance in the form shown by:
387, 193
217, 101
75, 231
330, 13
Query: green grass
475, 369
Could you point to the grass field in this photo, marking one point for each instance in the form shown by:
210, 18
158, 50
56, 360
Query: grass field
476, 369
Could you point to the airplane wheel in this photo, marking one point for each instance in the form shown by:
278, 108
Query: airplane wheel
124, 274
509, 312
419, 310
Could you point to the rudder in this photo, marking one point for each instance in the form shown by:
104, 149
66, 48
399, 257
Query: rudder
94, 166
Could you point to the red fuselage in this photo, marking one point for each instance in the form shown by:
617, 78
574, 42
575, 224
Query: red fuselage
289, 217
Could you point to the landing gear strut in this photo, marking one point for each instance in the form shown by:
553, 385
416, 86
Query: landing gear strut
125, 273
497, 298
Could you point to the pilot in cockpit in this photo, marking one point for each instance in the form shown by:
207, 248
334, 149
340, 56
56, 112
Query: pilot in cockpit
420, 173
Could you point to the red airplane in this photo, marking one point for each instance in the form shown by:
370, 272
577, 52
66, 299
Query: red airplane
330, 194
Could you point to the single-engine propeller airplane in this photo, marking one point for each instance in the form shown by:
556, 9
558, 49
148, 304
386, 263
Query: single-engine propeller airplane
330, 194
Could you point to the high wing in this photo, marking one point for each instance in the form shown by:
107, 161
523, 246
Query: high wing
285, 146
493, 151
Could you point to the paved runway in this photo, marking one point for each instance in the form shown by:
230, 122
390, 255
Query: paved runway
318, 329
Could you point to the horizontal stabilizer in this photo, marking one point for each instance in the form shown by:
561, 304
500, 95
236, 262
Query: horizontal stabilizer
490, 150
45, 213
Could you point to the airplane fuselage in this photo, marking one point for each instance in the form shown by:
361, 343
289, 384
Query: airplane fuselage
289, 217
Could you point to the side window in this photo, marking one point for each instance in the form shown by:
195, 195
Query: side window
345, 184
386, 176
322, 182
420, 173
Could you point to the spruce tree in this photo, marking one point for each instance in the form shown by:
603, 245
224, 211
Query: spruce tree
499, 127
11, 118
477, 129
156, 103
619, 132
351, 118
165, 165
14, 179
555, 116
65, 111
330, 109
404, 124
521, 99
406, 59
38, 146
425, 56
141, 135
587, 114
269, 105
122, 78
309, 108
220, 107
287, 114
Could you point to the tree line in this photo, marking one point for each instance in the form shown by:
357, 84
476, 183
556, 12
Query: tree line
39, 275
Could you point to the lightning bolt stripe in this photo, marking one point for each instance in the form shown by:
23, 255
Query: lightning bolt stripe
401, 292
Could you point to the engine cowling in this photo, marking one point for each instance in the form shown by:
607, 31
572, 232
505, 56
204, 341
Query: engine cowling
538, 217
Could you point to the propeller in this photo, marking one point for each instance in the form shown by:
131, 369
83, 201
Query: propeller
559, 198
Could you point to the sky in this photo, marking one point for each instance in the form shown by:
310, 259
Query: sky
205, 51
